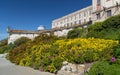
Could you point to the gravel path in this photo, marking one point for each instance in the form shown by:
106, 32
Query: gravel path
7, 68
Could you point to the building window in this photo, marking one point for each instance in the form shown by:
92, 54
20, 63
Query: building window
84, 20
90, 19
60, 22
98, 16
71, 18
98, 2
75, 17
75, 22
90, 12
68, 24
79, 21
67, 20
109, 13
72, 23
64, 21
98, 5
79, 15
84, 14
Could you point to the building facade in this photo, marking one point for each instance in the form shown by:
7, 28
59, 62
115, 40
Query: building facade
102, 9
16, 34
75, 18
98, 11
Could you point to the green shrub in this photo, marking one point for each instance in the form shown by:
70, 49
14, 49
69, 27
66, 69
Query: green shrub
112, 22
4, 47
3, 42
96, 27
109, 29
76, 33
104, 68
21, 40
116, 52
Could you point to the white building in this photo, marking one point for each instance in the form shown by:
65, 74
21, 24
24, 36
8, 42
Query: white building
102, 9
75, 18
98, 11
16, 34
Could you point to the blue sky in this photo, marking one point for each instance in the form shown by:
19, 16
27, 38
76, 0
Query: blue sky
29, 14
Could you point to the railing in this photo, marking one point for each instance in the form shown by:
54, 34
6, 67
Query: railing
73, 26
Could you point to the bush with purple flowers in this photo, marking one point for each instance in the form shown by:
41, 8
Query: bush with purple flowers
113, 59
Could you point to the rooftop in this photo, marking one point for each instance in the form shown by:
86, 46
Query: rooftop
28, 32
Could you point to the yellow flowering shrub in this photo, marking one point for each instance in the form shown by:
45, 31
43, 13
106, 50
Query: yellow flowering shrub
82, 50
86, 44
49, 56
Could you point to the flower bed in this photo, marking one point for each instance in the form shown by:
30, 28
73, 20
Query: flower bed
49, 57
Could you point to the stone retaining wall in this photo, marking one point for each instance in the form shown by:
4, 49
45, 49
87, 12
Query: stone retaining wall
74, 69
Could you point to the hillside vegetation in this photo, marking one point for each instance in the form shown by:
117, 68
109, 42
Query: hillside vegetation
49, 54
46, 53
4, 47
108, 29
